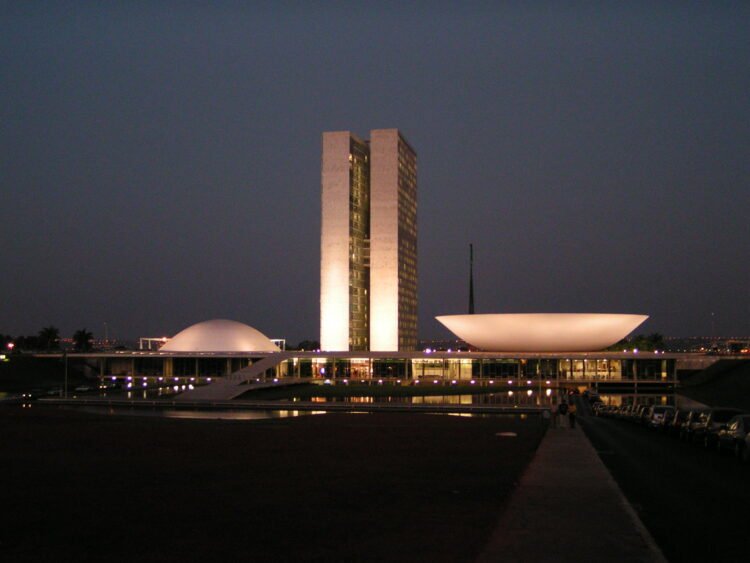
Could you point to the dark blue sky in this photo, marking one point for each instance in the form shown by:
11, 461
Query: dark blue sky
160, 161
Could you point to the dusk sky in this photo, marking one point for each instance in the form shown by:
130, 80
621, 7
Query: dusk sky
160, 161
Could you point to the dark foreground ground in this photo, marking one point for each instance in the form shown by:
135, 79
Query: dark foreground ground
21, 374
395, 487
694, 502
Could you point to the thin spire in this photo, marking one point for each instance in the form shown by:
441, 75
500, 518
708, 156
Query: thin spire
471, 279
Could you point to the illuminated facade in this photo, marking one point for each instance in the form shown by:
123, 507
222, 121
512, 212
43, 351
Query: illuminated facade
219, 335
534, 378
368, 267
215, 359
542, 332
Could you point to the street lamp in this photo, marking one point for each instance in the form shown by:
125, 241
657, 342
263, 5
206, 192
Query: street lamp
65, 384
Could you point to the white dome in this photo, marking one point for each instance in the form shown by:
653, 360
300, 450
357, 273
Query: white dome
542, 332
219, 335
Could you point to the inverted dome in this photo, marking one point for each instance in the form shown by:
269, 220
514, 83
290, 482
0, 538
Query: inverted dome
220, 335
542, 332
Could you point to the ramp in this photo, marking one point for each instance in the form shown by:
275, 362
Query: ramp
237, 383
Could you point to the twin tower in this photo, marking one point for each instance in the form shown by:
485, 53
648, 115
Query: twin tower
368, 242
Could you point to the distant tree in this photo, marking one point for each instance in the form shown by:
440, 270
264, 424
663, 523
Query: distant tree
637, 342
620, 345
49, 338
26, 343
308, 345
82, 340
655, 341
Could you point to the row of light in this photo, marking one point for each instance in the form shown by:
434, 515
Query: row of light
529, 392
144, 379
435, 381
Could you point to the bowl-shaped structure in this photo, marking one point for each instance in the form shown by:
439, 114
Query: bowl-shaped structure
219, 335
542, 332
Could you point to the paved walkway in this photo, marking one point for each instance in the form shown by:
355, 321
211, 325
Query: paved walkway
567, 507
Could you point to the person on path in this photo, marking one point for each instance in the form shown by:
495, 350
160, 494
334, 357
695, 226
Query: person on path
572, 415
562, 410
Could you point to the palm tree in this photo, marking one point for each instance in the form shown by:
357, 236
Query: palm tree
82, 340
49, 338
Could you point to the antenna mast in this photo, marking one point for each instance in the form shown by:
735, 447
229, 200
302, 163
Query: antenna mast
471, 279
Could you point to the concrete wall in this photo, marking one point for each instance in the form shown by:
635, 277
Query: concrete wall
384, 240
334, 242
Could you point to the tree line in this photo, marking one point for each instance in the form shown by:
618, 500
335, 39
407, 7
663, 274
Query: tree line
46, 340
645, 342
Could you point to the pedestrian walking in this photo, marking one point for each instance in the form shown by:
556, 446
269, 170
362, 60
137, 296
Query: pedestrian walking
562, 410
572, 415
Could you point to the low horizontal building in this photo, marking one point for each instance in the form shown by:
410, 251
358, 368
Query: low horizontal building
220, 349
571, 369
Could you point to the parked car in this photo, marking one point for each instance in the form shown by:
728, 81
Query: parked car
710, 423
638, 415
655, 415
732, 435
687, 428
591, 395
675, 425
666, 419
643, 415
620, 411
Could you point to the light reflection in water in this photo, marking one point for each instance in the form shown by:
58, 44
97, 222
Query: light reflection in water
617, 399
146, 393
547, 398
200, 414
236, 415
500, 398
254, 415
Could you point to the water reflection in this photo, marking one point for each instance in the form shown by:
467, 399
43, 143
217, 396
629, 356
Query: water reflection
503, 398
511, 398
253, 415
516, 397
136, 393
237, 415
618, 399
671, 399
199, 414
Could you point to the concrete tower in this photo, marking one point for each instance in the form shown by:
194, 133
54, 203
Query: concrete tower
368, 270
